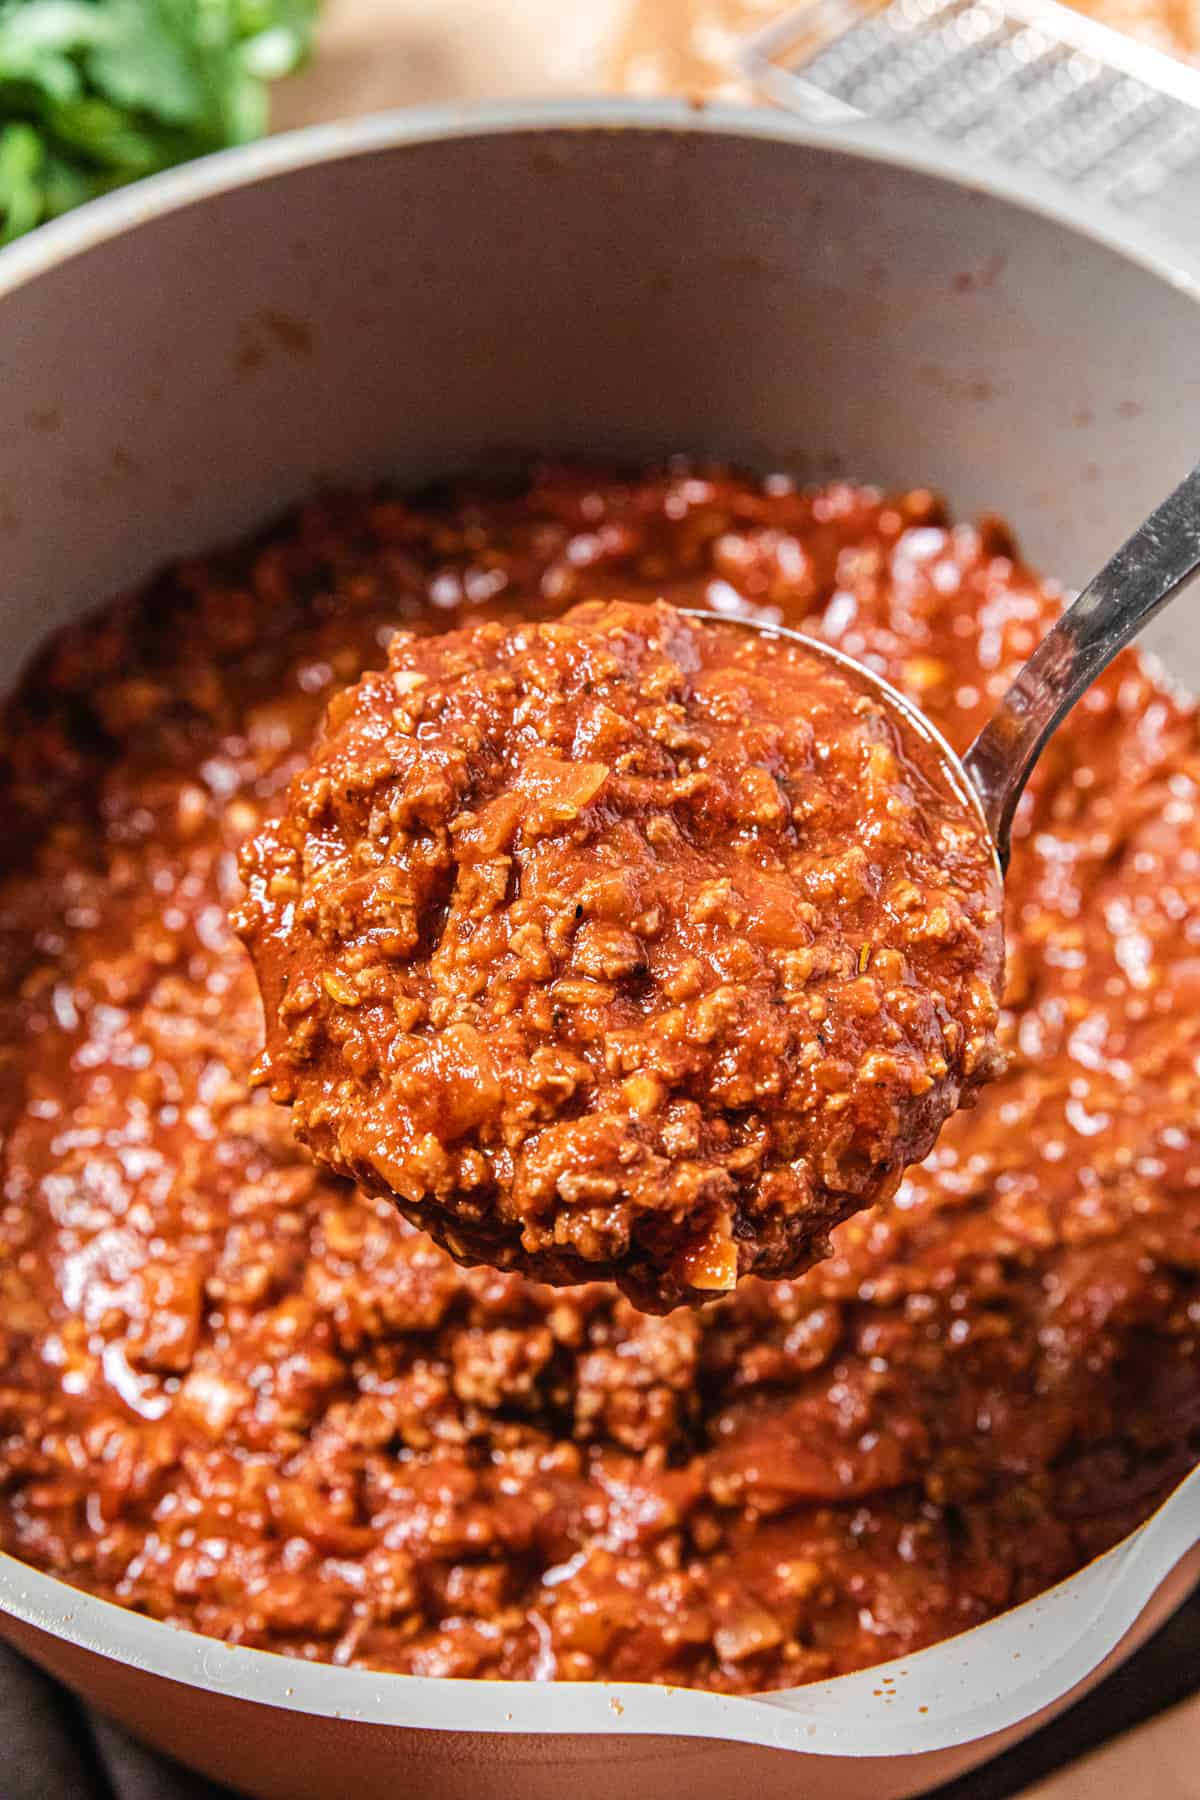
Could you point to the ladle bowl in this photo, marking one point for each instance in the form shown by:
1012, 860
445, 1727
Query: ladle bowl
1154, 564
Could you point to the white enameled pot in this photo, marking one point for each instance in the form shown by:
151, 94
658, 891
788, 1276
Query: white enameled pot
396, 298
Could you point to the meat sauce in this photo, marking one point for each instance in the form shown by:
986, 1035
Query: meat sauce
238, 1395
624, 946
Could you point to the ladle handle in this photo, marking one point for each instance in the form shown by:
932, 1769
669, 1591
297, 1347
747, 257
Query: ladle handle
1149, 568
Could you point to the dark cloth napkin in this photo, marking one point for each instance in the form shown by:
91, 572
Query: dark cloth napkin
52, 1748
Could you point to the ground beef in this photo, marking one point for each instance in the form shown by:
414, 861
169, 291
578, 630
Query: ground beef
624, 946
238, 1395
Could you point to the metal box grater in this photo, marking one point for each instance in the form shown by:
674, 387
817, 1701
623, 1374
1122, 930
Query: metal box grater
1025, 82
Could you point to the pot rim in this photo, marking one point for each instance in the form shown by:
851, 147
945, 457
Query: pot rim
143, 201
986, 1680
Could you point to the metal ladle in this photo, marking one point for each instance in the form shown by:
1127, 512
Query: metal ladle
1149, 569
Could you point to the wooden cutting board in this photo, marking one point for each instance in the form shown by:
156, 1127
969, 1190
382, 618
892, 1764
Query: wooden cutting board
380, 53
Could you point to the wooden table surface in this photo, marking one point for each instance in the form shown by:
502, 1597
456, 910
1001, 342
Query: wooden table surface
375, 54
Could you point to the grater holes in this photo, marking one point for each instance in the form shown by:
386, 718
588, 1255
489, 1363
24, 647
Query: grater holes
1037, 87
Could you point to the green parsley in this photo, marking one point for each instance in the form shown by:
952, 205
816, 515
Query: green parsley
95, 93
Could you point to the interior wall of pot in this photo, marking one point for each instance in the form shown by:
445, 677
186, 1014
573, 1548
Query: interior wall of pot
403, 312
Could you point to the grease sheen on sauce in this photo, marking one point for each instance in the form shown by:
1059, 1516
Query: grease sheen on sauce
235, 1395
